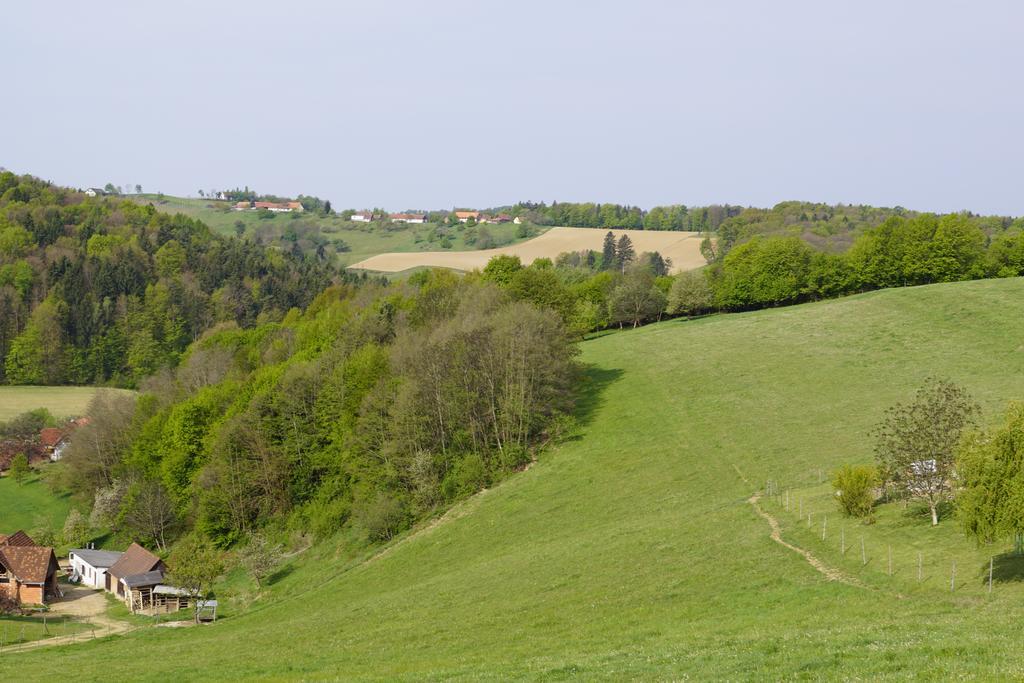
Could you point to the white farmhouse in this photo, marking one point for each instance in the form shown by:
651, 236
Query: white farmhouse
89, 567
362, 217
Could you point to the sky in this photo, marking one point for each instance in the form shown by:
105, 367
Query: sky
430, 105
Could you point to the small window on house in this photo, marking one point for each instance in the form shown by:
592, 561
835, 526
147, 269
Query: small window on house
4, 576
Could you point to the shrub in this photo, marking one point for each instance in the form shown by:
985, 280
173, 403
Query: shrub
855, 489
381, 517
19, 467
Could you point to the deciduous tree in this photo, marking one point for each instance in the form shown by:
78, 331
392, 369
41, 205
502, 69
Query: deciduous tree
916, 443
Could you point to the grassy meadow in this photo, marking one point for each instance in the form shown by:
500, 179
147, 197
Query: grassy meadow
15, 630
364, 240
60, 401
30, 505
632, 552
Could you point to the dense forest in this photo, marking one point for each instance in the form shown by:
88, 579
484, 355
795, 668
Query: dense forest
105, 291
371, 409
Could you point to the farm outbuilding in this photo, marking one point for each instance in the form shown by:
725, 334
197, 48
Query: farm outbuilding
134, 562
89, 567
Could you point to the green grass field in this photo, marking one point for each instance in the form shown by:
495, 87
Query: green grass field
632, 552
17, 630
364, 240
60, 401
30, 505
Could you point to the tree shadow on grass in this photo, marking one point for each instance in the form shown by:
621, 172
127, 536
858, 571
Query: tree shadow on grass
280, 574
590, 392
1006, 568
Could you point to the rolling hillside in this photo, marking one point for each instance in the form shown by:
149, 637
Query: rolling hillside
345, 241
633, 552
683, 248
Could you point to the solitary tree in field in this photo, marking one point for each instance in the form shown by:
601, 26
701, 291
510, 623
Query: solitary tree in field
990, 472
19, 467
916, 444
138, 188
260, 557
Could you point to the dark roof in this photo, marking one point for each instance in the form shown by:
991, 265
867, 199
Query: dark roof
152, 578
100, 559
18, 538
30, 564
136, 560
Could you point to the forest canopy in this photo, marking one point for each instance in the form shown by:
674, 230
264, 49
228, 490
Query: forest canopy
106, 291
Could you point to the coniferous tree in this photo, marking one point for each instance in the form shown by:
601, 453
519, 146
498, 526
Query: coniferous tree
624, 252
608, 252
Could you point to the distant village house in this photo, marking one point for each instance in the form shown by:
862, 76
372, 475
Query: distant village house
464, 216
498, 218
276, 207
362, 217
408, 217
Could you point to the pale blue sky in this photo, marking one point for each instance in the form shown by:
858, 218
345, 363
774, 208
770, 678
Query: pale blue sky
433, 104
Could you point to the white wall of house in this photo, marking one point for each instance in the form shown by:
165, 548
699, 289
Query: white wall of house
93, 577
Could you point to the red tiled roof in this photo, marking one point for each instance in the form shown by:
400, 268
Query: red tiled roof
467, 214
30, 564
136, 560
18, 538
51, 436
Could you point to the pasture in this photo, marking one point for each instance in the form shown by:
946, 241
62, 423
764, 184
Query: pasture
31, 505
60, 401
683, 248
631, 551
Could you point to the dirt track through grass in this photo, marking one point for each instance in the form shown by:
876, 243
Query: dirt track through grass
830, 573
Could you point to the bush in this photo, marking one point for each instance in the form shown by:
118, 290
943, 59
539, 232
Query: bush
19, 468
855, 489
381, 517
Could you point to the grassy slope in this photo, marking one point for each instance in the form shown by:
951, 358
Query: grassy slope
61, 401
30, 505
364, 240
631, 552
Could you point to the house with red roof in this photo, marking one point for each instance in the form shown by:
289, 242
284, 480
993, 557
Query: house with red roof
28, 572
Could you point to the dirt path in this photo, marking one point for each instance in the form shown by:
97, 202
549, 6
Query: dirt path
82, 604
830, 573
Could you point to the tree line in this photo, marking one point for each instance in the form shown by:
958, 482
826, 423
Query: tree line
104, 291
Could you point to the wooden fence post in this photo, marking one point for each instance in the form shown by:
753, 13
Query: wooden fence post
863, 556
